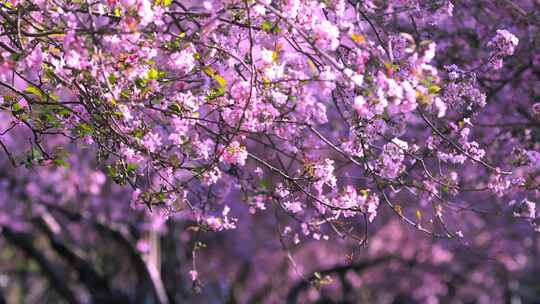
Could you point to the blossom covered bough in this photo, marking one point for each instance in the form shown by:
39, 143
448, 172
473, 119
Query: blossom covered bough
318, 116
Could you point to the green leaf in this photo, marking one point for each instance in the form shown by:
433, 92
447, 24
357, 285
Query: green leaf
266, 26
153, 74
35, 91
84, 129
263, 184
112, 79
175, 107
61, 162
218, 78
434, 89
215, 93
138, 133
125, 94
16, 56
163, 3
117, 12
131, 167
53, 97
16, 107
222, 82
111, 171
270, 28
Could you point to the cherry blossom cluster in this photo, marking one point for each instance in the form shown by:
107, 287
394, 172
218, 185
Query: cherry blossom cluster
298, 125
302, 105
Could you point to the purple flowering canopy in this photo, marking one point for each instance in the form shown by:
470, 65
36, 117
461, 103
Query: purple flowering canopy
269, 151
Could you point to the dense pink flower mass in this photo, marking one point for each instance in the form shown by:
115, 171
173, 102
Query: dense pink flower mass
269, 151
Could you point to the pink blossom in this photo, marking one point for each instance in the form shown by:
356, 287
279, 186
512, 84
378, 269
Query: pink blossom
194, 275
361, 106
235, 154
151, 141
327, 34
183, 61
